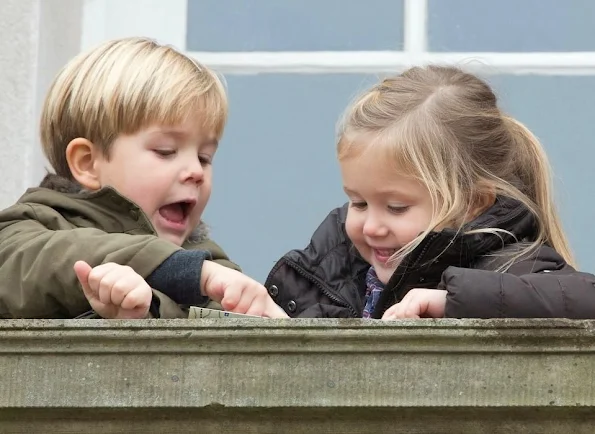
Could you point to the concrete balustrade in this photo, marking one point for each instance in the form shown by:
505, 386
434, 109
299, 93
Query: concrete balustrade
298, 376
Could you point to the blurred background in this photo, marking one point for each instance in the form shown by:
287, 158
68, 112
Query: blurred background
291, 67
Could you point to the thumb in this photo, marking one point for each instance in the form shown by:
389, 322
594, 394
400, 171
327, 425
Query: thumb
82, 271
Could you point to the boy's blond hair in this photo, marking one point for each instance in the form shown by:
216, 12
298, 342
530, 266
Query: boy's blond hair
122, 86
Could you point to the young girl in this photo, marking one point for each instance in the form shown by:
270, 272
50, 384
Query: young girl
450, 214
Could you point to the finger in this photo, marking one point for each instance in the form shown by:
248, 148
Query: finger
103, 278
136, 313
249, 302
273, 310
259, 300
96, 274
399, 310
423, 306
231, 296
420, 303
125, 280
390, 313
138, 298
215, 291
257, 307
408, 307
413, 308
82, 271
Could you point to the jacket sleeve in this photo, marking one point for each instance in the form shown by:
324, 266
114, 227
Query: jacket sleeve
37, 279
216, 252
300, 297
473, 293
324, 279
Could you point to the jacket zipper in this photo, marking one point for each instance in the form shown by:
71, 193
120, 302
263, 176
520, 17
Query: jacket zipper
317, 282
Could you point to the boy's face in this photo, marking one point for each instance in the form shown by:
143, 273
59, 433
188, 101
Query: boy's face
167, 172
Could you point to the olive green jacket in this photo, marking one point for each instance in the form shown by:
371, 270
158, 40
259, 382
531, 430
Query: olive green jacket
53, 226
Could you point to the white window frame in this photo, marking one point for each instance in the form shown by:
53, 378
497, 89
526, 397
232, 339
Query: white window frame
165, 20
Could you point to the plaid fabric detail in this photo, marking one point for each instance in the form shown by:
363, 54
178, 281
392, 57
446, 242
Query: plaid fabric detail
374, 288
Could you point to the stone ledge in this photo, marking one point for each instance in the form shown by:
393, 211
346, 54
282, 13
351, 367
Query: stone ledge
235, 335
247, 373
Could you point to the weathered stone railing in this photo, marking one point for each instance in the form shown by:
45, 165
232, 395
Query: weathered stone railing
272, 376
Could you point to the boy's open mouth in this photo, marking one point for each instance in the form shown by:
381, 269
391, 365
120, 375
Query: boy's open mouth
177, 212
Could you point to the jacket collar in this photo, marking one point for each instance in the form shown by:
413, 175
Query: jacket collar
72, 197
424, 266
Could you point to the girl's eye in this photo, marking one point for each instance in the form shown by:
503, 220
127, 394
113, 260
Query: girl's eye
358, 205
164, 152
398, 209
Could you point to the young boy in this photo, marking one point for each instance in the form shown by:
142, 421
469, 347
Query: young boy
130, 128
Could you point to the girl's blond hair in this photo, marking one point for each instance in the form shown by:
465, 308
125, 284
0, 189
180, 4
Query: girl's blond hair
443, 126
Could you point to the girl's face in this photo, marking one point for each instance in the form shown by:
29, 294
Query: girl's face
386, 210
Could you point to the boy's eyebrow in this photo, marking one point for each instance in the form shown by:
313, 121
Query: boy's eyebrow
175, 132
180, 133
170, 132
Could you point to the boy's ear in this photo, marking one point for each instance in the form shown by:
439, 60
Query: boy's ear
82, 155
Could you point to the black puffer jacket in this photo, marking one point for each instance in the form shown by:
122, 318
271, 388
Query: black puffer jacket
327, 278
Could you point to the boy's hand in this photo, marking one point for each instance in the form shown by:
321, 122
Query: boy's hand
114, 291
237, 292
419, 303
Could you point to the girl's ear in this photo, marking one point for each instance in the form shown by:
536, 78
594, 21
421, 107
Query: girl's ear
82, 156
482, 202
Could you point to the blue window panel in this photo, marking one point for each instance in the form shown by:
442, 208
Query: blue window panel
294, 25
511, 25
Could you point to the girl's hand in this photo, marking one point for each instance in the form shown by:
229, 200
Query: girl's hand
419, 303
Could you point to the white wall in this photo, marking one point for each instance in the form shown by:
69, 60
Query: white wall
36, 38
163, 20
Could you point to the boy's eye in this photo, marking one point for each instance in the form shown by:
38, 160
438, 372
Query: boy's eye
205, 159
164, 152
398, 209
358, 205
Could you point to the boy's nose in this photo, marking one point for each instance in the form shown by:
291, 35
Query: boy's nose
195, 172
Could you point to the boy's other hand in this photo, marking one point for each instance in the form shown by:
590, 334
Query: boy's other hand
114, 291
237, 292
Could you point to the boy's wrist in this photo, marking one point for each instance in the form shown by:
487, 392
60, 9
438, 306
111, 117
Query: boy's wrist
205, 273
180, 276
